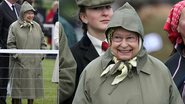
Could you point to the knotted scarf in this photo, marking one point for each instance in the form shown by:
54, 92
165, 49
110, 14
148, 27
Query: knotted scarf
120, 66
173, 21
27, 24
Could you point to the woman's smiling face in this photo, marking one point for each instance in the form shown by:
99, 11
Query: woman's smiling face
28, 16
124, 44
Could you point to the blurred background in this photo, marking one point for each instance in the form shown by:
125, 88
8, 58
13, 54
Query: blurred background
153, 14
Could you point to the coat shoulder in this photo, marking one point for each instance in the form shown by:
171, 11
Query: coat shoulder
94, 67
15, 25
36, 24
155, 60
157, 64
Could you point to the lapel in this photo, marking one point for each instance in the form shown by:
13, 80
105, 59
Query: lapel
142, 65
106, 58
9, 11
18, 7
90, 52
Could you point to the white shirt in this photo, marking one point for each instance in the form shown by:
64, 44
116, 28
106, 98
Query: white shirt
9, 4
97, 44
56, 35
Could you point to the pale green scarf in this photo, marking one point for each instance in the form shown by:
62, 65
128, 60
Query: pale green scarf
27, 24
121, 66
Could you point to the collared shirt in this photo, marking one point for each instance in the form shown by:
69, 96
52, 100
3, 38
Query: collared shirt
97, 44
9, 4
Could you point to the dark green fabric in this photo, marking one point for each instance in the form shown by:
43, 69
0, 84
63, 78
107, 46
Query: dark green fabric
67, 68
127, 18
25, 7
93, 3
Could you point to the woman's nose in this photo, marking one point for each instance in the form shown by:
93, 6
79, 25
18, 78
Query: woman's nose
124, 43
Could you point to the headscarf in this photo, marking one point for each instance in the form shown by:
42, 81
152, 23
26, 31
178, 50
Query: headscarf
123, 67
173, 21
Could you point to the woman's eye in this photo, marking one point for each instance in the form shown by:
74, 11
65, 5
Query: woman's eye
117, 37
130, 37
108, 7
97, 8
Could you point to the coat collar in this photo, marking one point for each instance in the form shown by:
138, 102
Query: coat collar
141, 60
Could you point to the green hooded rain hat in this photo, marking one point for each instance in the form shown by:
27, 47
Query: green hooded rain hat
26, 7
127, 18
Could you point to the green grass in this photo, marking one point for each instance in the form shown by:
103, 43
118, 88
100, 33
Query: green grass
50, 89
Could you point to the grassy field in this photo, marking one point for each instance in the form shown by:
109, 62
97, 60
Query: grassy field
50, 89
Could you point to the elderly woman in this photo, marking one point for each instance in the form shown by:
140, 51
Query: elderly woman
25, 69
126, 74
175, 26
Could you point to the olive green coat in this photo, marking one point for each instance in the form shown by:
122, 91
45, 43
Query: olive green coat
25, 69
67, 69
151, 83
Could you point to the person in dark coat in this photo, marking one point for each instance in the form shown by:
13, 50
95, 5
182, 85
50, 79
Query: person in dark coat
175, 26
94, 15
7, 17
